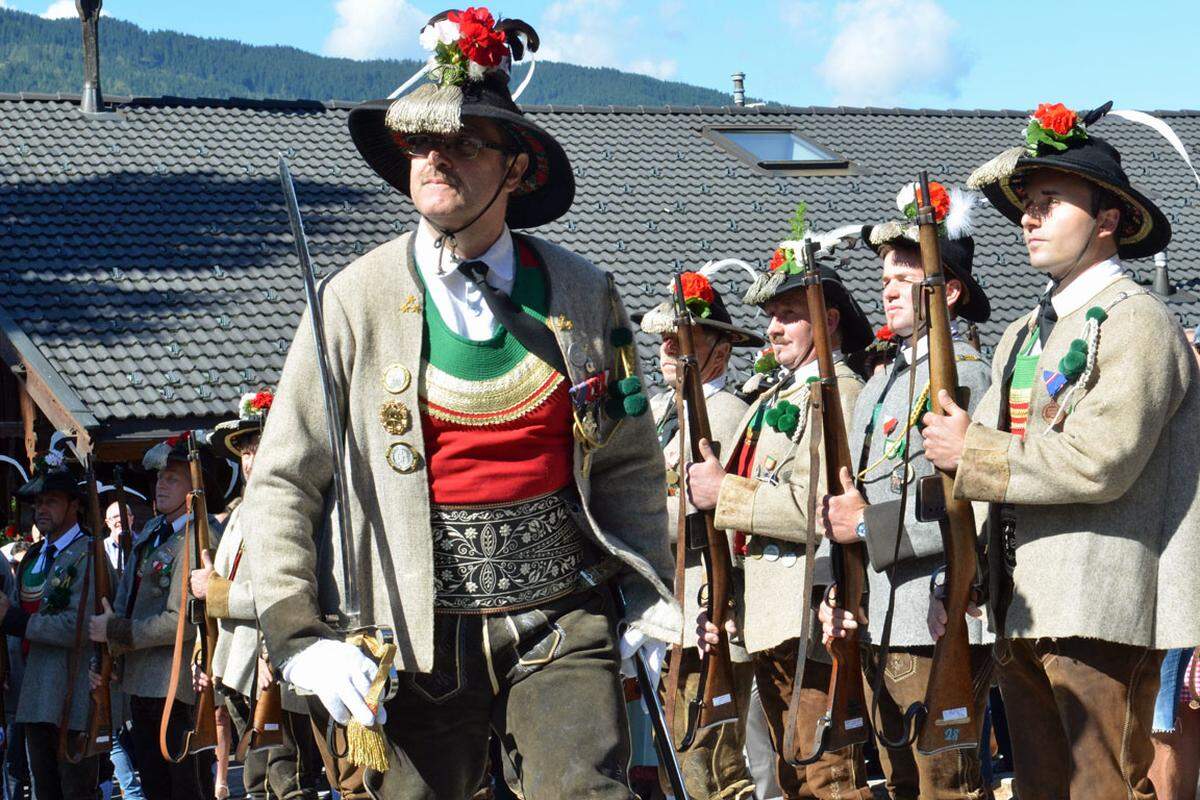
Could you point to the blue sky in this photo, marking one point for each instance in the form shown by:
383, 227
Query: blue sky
931, 53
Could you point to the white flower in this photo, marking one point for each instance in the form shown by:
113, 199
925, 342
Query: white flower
246, 406
54, 459
907, 196
444, 32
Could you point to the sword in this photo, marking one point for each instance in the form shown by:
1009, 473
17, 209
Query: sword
348, 612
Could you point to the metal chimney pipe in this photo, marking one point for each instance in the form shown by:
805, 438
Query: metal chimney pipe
739, 88
92, 100
1162, 281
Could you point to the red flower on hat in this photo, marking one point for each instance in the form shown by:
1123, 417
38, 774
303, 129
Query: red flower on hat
778, 259
940, 199
886, 334
696, 286
179, 437
1055, 117
478, 40
262, 401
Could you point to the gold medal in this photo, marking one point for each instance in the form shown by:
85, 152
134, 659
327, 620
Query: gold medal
396, 418
1049, 412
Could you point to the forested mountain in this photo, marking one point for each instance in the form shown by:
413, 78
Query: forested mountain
41, 55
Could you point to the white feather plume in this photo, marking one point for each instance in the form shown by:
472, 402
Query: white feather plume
713, 267
959, 220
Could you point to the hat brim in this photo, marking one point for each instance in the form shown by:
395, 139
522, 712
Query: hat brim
225, 437
1152, 235
737, 336
976, 307
54, 482
546, 203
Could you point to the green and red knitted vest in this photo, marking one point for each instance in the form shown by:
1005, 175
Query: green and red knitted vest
497, 419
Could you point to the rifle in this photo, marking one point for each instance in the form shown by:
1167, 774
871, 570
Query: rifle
203, 732
714, 702
96, 739
948, 696
843, 723
125, 537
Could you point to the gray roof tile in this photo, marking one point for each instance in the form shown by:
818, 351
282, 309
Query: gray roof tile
149, 258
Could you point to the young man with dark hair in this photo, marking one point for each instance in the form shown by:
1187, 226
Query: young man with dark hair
1087, 447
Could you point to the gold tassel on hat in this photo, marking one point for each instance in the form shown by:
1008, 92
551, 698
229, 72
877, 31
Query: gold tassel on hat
366, 747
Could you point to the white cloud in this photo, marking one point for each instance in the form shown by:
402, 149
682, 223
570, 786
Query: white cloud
61, 9
375, 29
800, 17
885, 48
581, 32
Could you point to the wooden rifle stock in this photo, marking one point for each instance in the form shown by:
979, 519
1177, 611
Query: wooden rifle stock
949, 697
202, 734
714, 703
74, 746
267, 727
844, 723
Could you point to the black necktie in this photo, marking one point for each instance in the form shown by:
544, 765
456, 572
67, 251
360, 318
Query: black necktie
51, 552
669, 426
536, 337
1047, 316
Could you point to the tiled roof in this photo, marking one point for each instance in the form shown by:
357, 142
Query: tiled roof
148, 258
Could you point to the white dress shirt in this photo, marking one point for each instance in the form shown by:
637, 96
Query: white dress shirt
59, 544
458, 300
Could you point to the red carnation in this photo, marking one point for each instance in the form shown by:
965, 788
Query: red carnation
885, 334
262, 401
477, 38
1056, 117
941, 200
696, 286
778, 260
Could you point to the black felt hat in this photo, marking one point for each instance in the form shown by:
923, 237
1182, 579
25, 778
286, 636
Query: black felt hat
477, 90
228, 438
661, 319
1144, 229
176, 450
51, 474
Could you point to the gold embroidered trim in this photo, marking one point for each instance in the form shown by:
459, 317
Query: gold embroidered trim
489, 402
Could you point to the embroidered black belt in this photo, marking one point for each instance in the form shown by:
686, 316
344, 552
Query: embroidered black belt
507, 556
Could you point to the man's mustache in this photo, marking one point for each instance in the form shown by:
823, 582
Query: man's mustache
431, 173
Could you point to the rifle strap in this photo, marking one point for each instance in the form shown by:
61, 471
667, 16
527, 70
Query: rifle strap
177, 655
676, 663
908, 736
816, 401
65, 751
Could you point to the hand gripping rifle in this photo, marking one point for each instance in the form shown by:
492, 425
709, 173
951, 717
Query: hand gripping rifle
74, 746
202, 734
714, 702
843, 723
948, 724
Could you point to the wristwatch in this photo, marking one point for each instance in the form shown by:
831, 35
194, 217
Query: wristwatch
860, 530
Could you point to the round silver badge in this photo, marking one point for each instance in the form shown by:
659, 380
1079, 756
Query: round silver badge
402, 458
789, 559
771, 552
576, 354
396, 378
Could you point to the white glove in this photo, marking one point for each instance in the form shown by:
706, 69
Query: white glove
338, 673
652, 650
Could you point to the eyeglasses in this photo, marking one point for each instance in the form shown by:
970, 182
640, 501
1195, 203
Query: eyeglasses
466, 148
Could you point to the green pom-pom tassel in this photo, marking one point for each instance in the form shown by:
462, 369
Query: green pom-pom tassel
786, 407
1072, 364
621, 337
1079, 346
636, 405
788, 423
1097, 313
614, 407
629, 386
771, 417
812, 379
